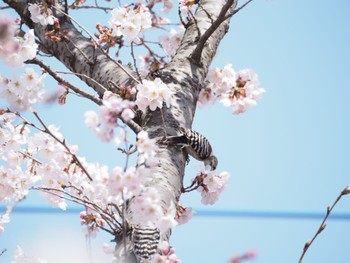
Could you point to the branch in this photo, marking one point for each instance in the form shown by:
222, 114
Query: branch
196, 55
323, 224
90, 7
97, 44
80, 201
63, 143
238, 9
103, 68
3, 251
57, 77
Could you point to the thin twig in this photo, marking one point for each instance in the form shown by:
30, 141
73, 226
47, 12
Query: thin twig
51, 191
30, 157
197, 53
102, 8
85, 202
135, 64
63, 143
3, 251
323, 224
98, 45
84, 76
238, 9
55, 75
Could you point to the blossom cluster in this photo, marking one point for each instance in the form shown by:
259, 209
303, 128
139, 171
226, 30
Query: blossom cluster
152, 94
237, 90
171, 41
125, 183
130, 22
186, 6
41, 14
147, 211
183, 214
20, 257
167, 254
23, 92
14, 48
104, 123
44, 160
211, 185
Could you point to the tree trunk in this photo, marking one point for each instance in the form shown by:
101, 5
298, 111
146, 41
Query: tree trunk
184, 75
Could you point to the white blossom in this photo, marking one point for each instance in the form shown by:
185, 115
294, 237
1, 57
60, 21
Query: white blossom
152, 94
129, 22
40, 14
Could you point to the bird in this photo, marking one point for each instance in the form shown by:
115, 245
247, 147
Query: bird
196, 145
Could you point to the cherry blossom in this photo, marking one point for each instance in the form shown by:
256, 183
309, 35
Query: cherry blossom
152, 94
237, 90
206, 96
168, 5
41, 14
167, 254
104, 123
183, 214
130, 22
245, 94
223, 79
20, 257
186, 6
171, 41
145, 145
146, 208
16, 50
8, 31
210, 185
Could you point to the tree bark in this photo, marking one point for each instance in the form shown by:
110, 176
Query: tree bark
183, 75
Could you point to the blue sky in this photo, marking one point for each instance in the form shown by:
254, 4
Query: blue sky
289, 153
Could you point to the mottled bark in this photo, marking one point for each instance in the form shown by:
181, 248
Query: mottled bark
183, 75
76, 52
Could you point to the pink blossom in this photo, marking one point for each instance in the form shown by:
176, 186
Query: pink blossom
152, 94
167, 254
211, 185
104, 123
171, 41
40, 14
130, 22
183, 214
206, 97
21, 49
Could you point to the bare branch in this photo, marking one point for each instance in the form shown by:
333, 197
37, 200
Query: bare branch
80, 201
238, 9
105, 9
97, 45
134, 59
3, 251
196, 55
63, 143
323, 224
55, 75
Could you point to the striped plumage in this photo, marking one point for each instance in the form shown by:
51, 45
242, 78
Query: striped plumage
145, 242
195, 145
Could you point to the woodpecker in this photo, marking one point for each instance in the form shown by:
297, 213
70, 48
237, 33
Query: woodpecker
195, 145
145, 242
